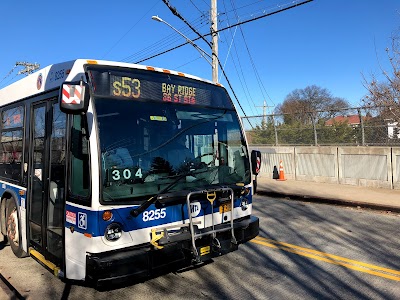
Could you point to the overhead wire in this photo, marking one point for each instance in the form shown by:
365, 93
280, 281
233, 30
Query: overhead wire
115, 44
243, 82
191, 1
9, 73
247, 5
259, 81
228, 27
10, 80
268, 14
260, 11
189, 62
229, 48
176, 13
281, 9
246, 87
208, 5
158, 46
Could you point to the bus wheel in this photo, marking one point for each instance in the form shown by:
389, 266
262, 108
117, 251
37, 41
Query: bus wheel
13, 235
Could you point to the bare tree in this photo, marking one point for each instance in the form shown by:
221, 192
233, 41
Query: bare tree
386, 93
310, 104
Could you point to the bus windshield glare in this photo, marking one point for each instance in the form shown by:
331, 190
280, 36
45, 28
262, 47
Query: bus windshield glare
159, 130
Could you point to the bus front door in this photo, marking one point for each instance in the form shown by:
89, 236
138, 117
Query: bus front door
47, 180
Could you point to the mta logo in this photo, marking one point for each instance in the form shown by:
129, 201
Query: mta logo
195, 208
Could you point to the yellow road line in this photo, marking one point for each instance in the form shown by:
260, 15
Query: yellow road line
335, 257
330, 258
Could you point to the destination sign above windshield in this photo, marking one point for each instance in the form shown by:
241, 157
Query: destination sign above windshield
144, 85
123, 86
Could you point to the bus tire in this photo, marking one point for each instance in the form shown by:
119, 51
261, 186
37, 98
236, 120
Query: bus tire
13, 229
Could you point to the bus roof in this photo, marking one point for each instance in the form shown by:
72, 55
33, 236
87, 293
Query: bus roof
53, 76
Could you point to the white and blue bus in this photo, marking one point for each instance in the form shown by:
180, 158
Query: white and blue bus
111, 170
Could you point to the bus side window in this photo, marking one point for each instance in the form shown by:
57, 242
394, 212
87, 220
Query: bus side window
11, 143
80, 171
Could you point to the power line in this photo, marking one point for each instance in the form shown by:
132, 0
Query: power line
223, 29
226, 12
189, 62
176, 13
228, 27
162, 44
9, 73
245, 86
268, 8
115, 44
196, 7
28, 69
259, 81
265, 15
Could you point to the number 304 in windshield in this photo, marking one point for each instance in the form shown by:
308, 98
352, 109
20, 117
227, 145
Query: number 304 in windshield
124, 174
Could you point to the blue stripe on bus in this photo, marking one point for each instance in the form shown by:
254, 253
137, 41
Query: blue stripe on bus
91, 222
16, 191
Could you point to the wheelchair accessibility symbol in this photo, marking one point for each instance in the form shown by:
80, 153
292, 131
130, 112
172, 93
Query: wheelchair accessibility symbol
82, 220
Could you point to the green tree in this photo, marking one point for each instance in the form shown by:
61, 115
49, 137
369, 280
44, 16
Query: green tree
264, 134
296, 133
339, 133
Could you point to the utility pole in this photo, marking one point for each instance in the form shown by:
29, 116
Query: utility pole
214, 40
264, 106
29, 67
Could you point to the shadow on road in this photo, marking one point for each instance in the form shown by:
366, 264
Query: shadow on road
257, 272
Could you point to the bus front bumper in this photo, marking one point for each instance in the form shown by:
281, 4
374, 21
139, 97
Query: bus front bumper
141, 262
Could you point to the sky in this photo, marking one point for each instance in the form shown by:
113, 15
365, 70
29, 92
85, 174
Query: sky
328, 43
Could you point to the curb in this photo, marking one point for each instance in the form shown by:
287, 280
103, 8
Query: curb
341, 202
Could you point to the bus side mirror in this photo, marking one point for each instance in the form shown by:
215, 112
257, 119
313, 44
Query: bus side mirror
74, 97
255, 161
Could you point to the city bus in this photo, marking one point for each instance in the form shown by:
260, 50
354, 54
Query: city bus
111, 171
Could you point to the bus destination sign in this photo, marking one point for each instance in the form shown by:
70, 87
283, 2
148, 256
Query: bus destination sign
144, 85
128, 87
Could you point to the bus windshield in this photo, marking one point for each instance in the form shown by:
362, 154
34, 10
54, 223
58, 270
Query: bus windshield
148, 144
145, 147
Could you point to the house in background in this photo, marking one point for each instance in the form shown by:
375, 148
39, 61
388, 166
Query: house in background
351, 120
393, 130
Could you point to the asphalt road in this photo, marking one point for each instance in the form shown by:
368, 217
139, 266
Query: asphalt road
304, 250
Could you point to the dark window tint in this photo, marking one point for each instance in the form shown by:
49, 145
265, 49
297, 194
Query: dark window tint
11, 143
80, 176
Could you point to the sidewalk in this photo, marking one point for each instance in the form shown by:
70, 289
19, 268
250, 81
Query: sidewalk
376, 198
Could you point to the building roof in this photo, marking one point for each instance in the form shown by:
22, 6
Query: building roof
350, 119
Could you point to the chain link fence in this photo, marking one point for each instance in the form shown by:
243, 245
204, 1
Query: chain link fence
361, 126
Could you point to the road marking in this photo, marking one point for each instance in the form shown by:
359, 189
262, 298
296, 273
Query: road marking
330, 258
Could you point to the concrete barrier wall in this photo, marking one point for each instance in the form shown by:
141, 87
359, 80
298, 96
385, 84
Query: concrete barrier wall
270, 158
364, 166
316, 164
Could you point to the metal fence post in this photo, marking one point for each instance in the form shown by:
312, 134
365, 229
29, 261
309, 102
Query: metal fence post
275, 130
315, 129
362, 127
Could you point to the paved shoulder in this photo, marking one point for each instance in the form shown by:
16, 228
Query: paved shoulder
356, 195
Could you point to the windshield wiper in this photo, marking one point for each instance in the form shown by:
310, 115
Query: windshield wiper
145, 205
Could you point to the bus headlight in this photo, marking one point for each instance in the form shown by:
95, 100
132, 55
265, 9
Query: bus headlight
113, 232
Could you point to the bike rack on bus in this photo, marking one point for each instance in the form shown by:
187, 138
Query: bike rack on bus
211, 196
